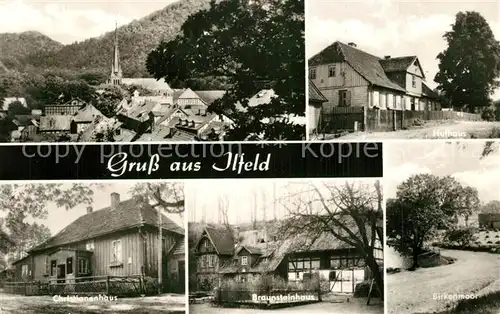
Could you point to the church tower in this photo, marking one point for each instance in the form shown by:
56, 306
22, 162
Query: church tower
116, 69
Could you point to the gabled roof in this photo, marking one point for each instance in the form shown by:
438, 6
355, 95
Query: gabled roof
209, 96
128, 214
365, 64
178, 248
397, 64
221, 239
428, 92
87, 114
315, 94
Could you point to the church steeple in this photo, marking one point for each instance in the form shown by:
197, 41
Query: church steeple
116, 69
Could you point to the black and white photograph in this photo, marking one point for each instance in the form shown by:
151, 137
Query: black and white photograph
92, 248
442, 227
259, 246
396, 69
141, 71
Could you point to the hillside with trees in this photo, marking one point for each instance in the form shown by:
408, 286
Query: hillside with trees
15, 47
136, 39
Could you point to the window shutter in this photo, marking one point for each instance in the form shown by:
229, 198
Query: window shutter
348, 100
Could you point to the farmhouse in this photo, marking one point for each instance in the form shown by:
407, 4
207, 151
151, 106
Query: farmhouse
350, 77
489, 220
223, 253
118, 240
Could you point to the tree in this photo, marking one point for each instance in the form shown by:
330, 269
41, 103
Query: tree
255, 45
350, 212
425, 204
107, 101
470, 64
17, 108
471, 203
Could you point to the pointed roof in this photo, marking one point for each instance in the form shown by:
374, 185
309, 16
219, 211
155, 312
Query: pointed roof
367, 65
315, 94
128, 214
115, 67
188, 94
397, 64
221, 239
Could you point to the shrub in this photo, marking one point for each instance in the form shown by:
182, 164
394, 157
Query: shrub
488, 114
460, 235
361, 290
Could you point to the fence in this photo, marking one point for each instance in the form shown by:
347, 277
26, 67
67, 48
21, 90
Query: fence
273, 297
350, 119
110, 285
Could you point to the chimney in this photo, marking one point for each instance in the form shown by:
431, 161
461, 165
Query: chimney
199, 111
115, 200
387, 57
236, 235
192, 123
89, 209
352, 44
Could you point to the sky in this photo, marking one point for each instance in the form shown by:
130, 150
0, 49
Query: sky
392, 27
461, 160
58, 218
241, 195
68, 21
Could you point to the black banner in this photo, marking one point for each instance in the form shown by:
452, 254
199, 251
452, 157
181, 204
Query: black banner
190, 161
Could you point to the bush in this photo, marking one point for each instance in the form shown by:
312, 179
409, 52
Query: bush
461, 236
362, 289
488, 114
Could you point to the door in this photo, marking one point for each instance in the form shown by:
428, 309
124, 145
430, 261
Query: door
61, 273
182, 276
412, 103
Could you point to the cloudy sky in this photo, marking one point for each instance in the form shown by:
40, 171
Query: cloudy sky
69, 21
58, 218
460, 160
392, 27
242, 195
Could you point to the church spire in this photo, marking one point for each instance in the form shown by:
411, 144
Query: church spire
116, 70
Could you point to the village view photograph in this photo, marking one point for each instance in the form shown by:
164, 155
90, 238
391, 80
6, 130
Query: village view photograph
442, 250
259, 246
92, 248
139, 71
394, 69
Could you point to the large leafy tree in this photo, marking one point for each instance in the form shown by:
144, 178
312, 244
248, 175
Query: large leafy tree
423, 205
470, 64
254, 45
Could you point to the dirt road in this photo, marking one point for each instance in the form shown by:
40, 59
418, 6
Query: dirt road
17, 304
418, 291
444, 130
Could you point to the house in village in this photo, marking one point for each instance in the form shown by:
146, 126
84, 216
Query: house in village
68, 108
489, 220
223, 253
316, 101
351, 77
118, 240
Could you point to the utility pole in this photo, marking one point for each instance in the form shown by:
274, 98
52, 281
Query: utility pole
160, 252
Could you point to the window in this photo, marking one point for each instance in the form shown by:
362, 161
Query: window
413, 81
206, 244
24, 270
304, 264
331, 71
83, 266
69, 265
211, 261
47, 265
312, 73
203, 261
344, 98
117, 252
244, 260
90, 246
53, 265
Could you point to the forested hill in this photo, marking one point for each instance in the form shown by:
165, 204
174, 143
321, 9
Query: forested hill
16, 46
136, 40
